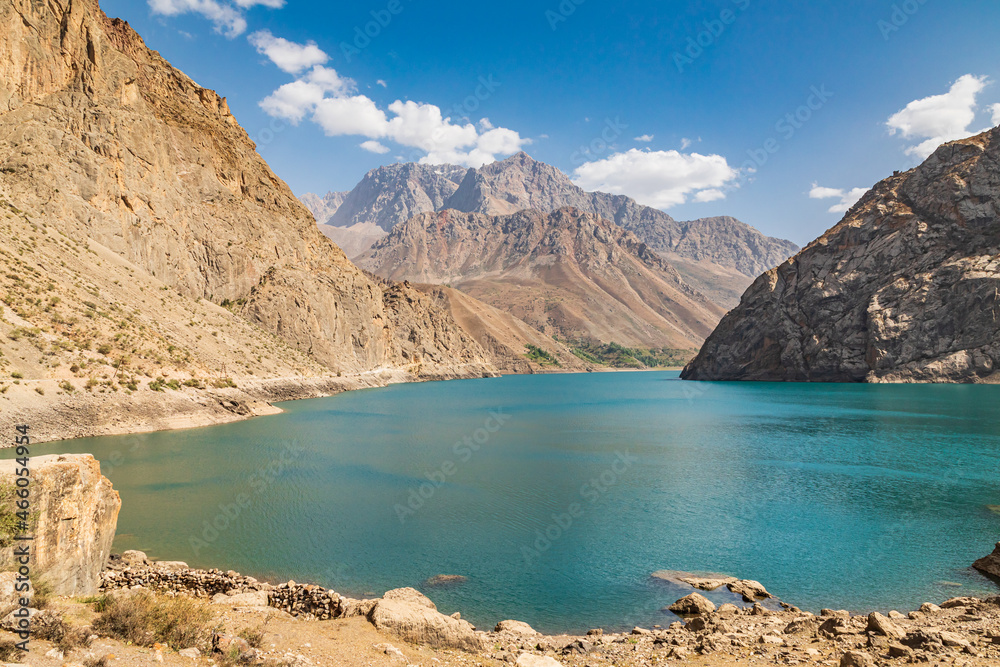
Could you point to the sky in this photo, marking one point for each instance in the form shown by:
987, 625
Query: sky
780, 113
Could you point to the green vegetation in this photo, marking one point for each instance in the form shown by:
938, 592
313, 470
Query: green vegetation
227, 383
619, 356
540, 356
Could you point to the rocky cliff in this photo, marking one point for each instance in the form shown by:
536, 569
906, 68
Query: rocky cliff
567, 273
77, 512
906, 288
104, 144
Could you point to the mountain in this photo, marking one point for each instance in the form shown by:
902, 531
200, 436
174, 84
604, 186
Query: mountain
567, 273
718, 256
906, 288
324, 207
388, 195
139, 219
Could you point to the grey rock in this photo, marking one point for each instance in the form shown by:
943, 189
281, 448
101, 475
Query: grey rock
903, 289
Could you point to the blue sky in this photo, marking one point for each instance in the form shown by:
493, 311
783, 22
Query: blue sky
696, 130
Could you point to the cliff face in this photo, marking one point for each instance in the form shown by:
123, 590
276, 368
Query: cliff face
77, 513
104, 141
906, 288
566, 273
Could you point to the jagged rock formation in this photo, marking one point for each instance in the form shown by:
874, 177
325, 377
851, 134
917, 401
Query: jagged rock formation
388, 195
906, 288
718, 256
104, 143
77, 513
324, 207
566, 273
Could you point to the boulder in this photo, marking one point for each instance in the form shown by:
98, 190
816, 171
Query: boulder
134, 558
409, 596
692, 605
532, 660
77, 513
990, 564
954, 603
953, 639
516, 627
857, 659
416, 619
881, 625
708, 583
749, 589
929, 608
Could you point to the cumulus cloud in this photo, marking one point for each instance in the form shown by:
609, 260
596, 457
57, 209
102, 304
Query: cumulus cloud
289, 56
847, 198
375, 147
645, 138
940, 118
658, 178
331, 101
995, 110
227, 16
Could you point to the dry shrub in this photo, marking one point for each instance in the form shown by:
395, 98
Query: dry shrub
144, 620
9, 652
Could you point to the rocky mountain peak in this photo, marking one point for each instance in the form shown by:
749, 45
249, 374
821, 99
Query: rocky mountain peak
904, 289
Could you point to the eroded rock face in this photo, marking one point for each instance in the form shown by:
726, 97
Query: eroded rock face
906, 288
77, 513
104, 140
568, 273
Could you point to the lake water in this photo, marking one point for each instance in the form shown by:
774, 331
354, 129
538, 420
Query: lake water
557, 496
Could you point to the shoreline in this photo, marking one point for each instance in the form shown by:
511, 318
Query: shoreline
961, 628
56, 415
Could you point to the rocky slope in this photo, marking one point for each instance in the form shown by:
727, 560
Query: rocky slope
134, 205
906, 288
76, 512
566, 273
388, 195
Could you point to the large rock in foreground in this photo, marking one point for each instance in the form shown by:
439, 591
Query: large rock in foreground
77, 513
410, 615
906, 288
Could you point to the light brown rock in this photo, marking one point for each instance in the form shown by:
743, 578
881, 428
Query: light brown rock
856, 659
77, 513
409, 617
516, 627
879, 624
694, 604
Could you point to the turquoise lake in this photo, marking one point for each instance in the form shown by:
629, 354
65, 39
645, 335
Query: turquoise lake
558, 495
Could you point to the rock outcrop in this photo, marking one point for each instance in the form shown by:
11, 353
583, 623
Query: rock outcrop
324, 207
567, 273
990, 564
76, 512
906, 288
104, 145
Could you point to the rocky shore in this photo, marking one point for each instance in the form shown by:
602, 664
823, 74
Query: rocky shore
959, 631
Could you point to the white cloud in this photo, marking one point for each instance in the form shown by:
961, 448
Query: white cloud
289, 56
646, 138
940, 118
658, 178
848, 198
995, 110
331, 102
227, 16
373, 146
